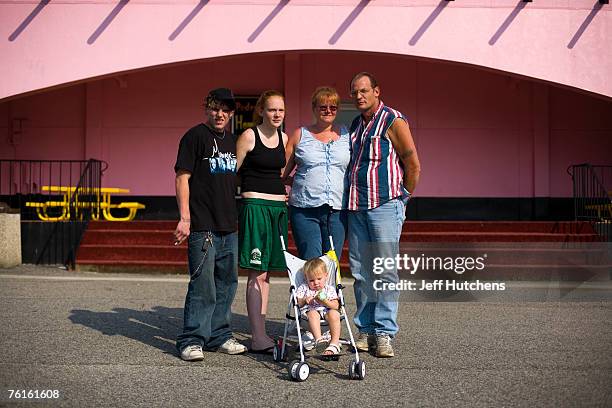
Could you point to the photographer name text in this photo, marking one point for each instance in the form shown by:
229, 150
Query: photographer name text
438, 284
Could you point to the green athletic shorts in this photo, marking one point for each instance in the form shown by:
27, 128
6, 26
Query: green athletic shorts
258, 234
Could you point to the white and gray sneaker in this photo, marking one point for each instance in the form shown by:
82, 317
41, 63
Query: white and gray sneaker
363, 341
383, 346
192, 353
231, 346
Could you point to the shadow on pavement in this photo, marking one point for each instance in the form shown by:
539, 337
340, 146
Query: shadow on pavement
157, 327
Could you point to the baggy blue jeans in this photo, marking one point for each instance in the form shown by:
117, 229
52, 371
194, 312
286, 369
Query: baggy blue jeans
375, 233
311, 229
212, 286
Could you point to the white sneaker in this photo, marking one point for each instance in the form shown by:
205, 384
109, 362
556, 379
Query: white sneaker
192, 353
231, 346
383, 346
361, 342
308, 341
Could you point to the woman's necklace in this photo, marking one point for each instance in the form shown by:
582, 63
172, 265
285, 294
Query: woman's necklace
325, 136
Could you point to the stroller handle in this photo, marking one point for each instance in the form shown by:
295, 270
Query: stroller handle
280, 230
329, 235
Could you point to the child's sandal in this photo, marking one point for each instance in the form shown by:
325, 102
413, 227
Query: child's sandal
332, 352
321, 344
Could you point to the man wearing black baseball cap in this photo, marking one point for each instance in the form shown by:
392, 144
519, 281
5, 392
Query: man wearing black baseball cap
205, 188
221, 95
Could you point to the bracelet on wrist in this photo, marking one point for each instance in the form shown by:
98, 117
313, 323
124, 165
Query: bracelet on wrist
185, 219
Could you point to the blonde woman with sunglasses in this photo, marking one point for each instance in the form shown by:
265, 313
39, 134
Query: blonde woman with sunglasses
320, 154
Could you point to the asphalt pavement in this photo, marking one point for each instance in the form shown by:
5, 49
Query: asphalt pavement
103, 340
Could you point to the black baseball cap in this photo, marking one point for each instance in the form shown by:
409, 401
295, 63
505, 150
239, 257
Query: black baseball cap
221, 95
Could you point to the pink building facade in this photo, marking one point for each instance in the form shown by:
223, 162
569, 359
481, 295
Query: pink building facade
502, 96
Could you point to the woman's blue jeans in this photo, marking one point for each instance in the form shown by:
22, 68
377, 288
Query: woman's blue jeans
311, 229
213, 281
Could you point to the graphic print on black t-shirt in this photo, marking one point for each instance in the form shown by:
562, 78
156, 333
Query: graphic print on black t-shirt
221, 162
210, 158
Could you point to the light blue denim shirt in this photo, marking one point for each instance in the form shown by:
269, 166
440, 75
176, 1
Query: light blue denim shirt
319, 178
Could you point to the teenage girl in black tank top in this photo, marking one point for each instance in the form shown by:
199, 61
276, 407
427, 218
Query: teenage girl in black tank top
262, 165
260, 152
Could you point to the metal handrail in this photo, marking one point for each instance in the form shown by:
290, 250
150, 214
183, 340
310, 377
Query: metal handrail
591, 190
22, 181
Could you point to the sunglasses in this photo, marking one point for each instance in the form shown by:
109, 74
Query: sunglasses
331, 108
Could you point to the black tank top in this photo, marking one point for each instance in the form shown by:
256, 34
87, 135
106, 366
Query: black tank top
261, 169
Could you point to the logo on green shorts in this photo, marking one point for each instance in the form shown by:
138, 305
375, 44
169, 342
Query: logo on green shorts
255, 257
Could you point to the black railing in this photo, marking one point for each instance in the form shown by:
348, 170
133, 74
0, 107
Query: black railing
56, 199
592, 185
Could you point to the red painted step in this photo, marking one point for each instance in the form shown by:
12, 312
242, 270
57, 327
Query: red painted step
496, 236
552, 227
148, 245
132, 225
547, 227
128, 237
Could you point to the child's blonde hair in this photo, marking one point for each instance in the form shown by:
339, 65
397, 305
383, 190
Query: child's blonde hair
314, 268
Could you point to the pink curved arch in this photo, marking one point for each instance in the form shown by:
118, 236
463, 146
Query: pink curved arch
48, 44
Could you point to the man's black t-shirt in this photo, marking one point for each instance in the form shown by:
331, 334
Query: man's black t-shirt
210, 157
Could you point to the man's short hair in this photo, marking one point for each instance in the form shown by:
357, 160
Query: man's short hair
362, 74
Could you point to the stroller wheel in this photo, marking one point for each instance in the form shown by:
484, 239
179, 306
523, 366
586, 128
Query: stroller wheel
303, 371
276, 353
299, 371
351, 369
357, 370
360, 370
293, 369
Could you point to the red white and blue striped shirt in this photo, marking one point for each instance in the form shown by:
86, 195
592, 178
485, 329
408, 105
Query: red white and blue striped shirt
375, 173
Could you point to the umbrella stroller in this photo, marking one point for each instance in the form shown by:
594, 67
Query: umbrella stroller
299, 370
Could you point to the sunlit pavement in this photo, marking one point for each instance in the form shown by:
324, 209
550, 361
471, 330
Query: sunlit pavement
108, 340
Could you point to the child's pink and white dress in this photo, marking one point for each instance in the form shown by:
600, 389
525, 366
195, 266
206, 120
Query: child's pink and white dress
304, 291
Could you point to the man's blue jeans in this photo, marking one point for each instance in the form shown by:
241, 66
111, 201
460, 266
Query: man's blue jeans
212, 286
311, 229
375, 233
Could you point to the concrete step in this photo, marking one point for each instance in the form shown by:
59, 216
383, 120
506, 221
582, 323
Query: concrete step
553, 272
576, 273
502, 256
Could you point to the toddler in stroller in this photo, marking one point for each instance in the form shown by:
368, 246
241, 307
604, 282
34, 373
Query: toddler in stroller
323, 299
318, 300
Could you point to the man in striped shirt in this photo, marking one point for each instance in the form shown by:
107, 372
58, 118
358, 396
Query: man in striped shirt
382, 174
